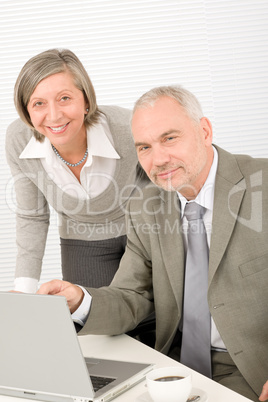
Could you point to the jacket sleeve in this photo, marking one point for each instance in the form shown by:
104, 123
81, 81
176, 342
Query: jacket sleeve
128, 300
32, 210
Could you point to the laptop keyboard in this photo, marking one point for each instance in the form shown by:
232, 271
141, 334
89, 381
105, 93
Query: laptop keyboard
100, 382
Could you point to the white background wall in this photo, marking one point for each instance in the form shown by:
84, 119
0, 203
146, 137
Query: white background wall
217, 49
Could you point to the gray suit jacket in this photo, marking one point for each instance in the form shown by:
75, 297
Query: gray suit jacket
151, 272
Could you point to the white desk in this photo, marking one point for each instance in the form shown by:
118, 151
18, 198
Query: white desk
125, 348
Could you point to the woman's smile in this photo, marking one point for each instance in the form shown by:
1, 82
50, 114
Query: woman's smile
58, 129
57, 110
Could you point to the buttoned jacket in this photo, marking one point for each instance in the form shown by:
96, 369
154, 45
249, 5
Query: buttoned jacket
151, 273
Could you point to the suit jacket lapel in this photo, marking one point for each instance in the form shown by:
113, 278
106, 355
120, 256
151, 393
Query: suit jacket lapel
228, 196
171, 241
227, 200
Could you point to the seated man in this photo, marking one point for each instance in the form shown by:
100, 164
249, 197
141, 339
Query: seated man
197, 251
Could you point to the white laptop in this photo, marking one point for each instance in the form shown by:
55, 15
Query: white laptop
40, 355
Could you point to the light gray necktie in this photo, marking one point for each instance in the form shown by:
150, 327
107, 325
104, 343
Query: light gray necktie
196, 338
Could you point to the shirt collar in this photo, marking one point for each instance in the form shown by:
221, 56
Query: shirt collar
36, 149
97, 139
205, 197
99, 142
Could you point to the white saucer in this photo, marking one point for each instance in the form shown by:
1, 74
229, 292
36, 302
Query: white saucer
145, 397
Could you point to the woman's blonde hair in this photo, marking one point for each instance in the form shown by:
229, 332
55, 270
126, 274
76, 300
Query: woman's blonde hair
42, 66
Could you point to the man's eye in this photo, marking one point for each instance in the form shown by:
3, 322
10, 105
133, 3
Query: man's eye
141, 149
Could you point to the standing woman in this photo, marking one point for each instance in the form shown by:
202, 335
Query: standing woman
68, 153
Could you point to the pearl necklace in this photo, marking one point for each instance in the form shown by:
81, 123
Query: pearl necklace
68, 163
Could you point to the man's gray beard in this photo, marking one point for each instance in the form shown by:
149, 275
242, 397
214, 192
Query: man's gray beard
163, 187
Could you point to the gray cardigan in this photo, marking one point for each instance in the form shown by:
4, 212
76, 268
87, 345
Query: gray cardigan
98, 218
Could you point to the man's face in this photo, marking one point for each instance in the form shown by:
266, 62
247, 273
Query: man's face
175, 152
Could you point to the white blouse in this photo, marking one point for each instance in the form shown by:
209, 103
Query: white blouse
95, 175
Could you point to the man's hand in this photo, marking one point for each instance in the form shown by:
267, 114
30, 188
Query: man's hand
15, 291
264, 394
73, 294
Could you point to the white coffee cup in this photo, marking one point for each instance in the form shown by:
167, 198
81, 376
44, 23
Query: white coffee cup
169, 384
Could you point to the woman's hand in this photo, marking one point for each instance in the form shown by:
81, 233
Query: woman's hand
264, 394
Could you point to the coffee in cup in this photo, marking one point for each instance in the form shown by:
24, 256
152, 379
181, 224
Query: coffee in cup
169, 384
169, 378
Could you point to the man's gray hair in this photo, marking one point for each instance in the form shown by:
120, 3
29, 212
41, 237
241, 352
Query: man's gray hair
184, 97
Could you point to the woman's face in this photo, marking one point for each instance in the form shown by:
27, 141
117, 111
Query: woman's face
57, 110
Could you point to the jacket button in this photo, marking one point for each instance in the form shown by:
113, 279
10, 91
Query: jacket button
218, 305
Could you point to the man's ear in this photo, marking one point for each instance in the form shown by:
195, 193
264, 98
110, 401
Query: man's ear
207, 130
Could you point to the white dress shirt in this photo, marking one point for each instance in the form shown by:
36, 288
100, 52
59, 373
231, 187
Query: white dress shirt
205, 198
95, 176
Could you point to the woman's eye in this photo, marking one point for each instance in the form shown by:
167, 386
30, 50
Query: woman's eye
65, 98
38, 104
